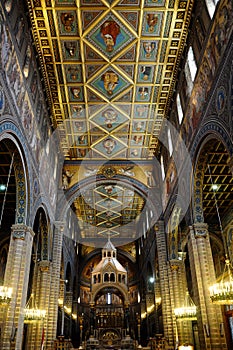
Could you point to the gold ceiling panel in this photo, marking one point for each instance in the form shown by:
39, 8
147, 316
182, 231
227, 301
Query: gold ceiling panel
109, 69
108, 209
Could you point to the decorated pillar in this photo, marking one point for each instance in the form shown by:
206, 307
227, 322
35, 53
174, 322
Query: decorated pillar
17, 277
37, 331
209, 316
165, 284
55, 266
183, 324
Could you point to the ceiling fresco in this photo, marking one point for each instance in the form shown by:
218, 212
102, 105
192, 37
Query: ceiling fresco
109, 69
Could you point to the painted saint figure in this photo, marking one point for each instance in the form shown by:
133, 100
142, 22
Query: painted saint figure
145, 72
67, 20
76, 92
109, 145
109, 32
152, 22
110, 117
70, 48
110, 80
149, 48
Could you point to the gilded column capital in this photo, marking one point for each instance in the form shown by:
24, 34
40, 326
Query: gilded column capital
175, 264
200, 230
60, 225
44, 265
19, 231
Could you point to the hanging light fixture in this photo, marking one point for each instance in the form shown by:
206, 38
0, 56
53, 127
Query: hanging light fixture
5, 295
31, 313
188, 312
221, 292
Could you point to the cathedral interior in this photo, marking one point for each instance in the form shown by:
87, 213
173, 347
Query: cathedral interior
116, 186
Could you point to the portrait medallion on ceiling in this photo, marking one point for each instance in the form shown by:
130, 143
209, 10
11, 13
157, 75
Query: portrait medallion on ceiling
152, 23
73, 73
109, 147
70, 50
110, 36
148, 50
109, 118
67, 21
110, 83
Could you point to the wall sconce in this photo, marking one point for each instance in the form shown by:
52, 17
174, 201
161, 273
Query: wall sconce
207, 330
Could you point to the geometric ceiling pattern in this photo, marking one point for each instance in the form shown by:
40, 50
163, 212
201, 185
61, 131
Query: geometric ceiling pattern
109, 69
108, 210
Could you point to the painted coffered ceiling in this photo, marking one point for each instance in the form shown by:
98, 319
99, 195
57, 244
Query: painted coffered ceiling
109, 69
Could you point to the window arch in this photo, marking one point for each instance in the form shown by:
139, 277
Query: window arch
169, 136
211, 6
112, 277
179, 109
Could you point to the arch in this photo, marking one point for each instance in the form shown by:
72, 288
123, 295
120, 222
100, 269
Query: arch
149, 277
150, 201
45, 229
103, 287
208, 133
14, 141
106, 277
41, 227
112, 277
39, 246
68, 278
211, 129
3, 260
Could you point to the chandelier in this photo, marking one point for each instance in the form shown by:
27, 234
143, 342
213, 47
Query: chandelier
5, 295
222, 293
188, 312
31, 313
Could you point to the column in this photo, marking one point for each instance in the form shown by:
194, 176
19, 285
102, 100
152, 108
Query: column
17, 276
55, 283
209, 316
165, 284
41, 292
179, 287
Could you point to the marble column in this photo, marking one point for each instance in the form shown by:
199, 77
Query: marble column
54, 284
17, 277
209, 315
